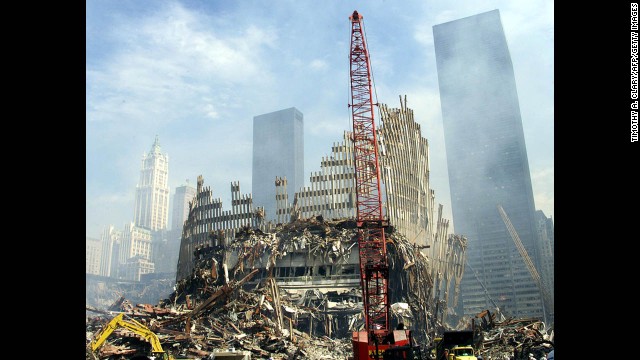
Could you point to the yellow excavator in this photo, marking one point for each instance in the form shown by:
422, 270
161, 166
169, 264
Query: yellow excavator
130, 324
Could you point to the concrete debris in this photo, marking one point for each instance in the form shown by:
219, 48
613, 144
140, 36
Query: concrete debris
237, 323
513, 338
291, 294
101, 292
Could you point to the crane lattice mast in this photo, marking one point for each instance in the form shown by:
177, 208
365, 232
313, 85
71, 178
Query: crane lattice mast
374, 269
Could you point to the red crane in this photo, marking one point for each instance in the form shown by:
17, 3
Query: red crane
377, 338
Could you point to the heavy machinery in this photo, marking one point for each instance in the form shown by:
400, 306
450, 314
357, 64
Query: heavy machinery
130, 324
377, 340
455, 345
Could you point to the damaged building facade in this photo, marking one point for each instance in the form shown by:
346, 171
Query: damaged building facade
408, 200
311, 249
208, 224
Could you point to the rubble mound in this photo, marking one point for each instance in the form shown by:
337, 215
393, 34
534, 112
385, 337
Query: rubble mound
232, 301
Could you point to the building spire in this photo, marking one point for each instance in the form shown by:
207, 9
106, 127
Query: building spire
155, 148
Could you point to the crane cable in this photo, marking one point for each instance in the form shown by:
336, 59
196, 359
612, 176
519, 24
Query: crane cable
475, 273
373, 82
525, 257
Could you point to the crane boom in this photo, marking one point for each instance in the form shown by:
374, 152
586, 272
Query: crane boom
527, 260
374, 271
376, 339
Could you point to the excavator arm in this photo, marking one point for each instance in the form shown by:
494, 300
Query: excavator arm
132, 325
102, 336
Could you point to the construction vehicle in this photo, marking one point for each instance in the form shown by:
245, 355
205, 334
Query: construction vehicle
377, 340
455, 345
130, 324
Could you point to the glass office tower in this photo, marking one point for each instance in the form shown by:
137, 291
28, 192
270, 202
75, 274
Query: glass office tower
278, 151
488, 166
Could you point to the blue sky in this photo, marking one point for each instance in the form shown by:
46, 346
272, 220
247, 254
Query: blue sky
195, 73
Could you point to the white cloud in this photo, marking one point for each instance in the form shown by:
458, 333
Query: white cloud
318, 64
445, 16
526, 18
196, 74
165, 61
423, 34
209, 109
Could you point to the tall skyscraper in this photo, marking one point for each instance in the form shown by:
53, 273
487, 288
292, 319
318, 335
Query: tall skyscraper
93, 255
278, 151
110, 261
546, 251
135, 253
488, 165
183, 195
152, 192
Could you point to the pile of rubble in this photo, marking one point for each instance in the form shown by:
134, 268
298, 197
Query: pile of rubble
232, 301
511, 338
102, 293
231, 319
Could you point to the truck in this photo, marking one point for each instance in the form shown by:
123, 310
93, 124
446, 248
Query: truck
455, 345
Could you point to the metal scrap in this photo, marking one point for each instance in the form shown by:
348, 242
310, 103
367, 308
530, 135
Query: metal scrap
232, 300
